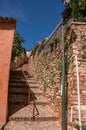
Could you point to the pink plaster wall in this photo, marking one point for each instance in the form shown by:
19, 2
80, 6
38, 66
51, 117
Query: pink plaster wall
6, 41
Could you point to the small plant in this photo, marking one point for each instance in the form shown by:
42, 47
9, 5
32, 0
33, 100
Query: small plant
78, 127
66, 44
43, 41
41, 46
35, 48
84, 46
53, 42
84, 55
59, 64
67, 62
56, 40
67, 27
45, 54
53, 77
45, 85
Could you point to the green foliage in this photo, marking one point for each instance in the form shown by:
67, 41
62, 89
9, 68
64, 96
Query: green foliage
66, 14
45, 54
41, 46
59, 64
78, 127
53, 77
67, 63
38, 47
78, 10
45, 85
84, 46
17, 45
84, 55
53, 42
66, 27
43, 41
35, 48
66, 44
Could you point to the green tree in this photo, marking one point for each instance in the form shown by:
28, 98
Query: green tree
17, 45
78, 10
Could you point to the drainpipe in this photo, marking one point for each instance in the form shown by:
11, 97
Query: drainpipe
63, 82
78, 91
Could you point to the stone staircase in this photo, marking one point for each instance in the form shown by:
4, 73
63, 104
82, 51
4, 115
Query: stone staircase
18, 92
21, 111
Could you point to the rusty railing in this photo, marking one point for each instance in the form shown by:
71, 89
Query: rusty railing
31, 96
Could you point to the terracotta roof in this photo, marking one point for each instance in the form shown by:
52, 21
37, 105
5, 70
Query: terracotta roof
7, 20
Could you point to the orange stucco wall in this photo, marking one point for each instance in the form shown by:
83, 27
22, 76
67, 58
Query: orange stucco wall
6, 41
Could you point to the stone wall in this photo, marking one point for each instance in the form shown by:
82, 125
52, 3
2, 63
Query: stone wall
19, 61
77, 42
47, 70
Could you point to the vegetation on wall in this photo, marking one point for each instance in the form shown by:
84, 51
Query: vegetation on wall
84, 55
38, 47
35, 48
78, 10
53, 42
17, 45
78, 127
67, 62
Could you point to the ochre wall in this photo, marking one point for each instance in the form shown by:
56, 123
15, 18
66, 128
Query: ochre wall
6, 41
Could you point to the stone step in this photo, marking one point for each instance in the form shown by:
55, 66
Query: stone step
25, 103
18, 72
18, 98
12, 109
31, 79
17, 77
31, 82
17, 81
18, 103
18, 84
34, 87
31, 118
17, 89
18, 93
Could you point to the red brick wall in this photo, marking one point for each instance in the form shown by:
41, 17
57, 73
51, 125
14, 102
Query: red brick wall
6, 40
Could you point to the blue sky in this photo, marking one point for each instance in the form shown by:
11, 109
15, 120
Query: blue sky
36, 19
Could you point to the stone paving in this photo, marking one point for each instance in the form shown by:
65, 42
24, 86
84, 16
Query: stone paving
45, 119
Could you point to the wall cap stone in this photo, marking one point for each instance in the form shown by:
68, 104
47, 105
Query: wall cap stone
78, 23
7, 20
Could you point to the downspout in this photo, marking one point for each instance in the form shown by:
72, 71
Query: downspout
78, 91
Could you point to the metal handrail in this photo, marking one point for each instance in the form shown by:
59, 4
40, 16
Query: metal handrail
33, 98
